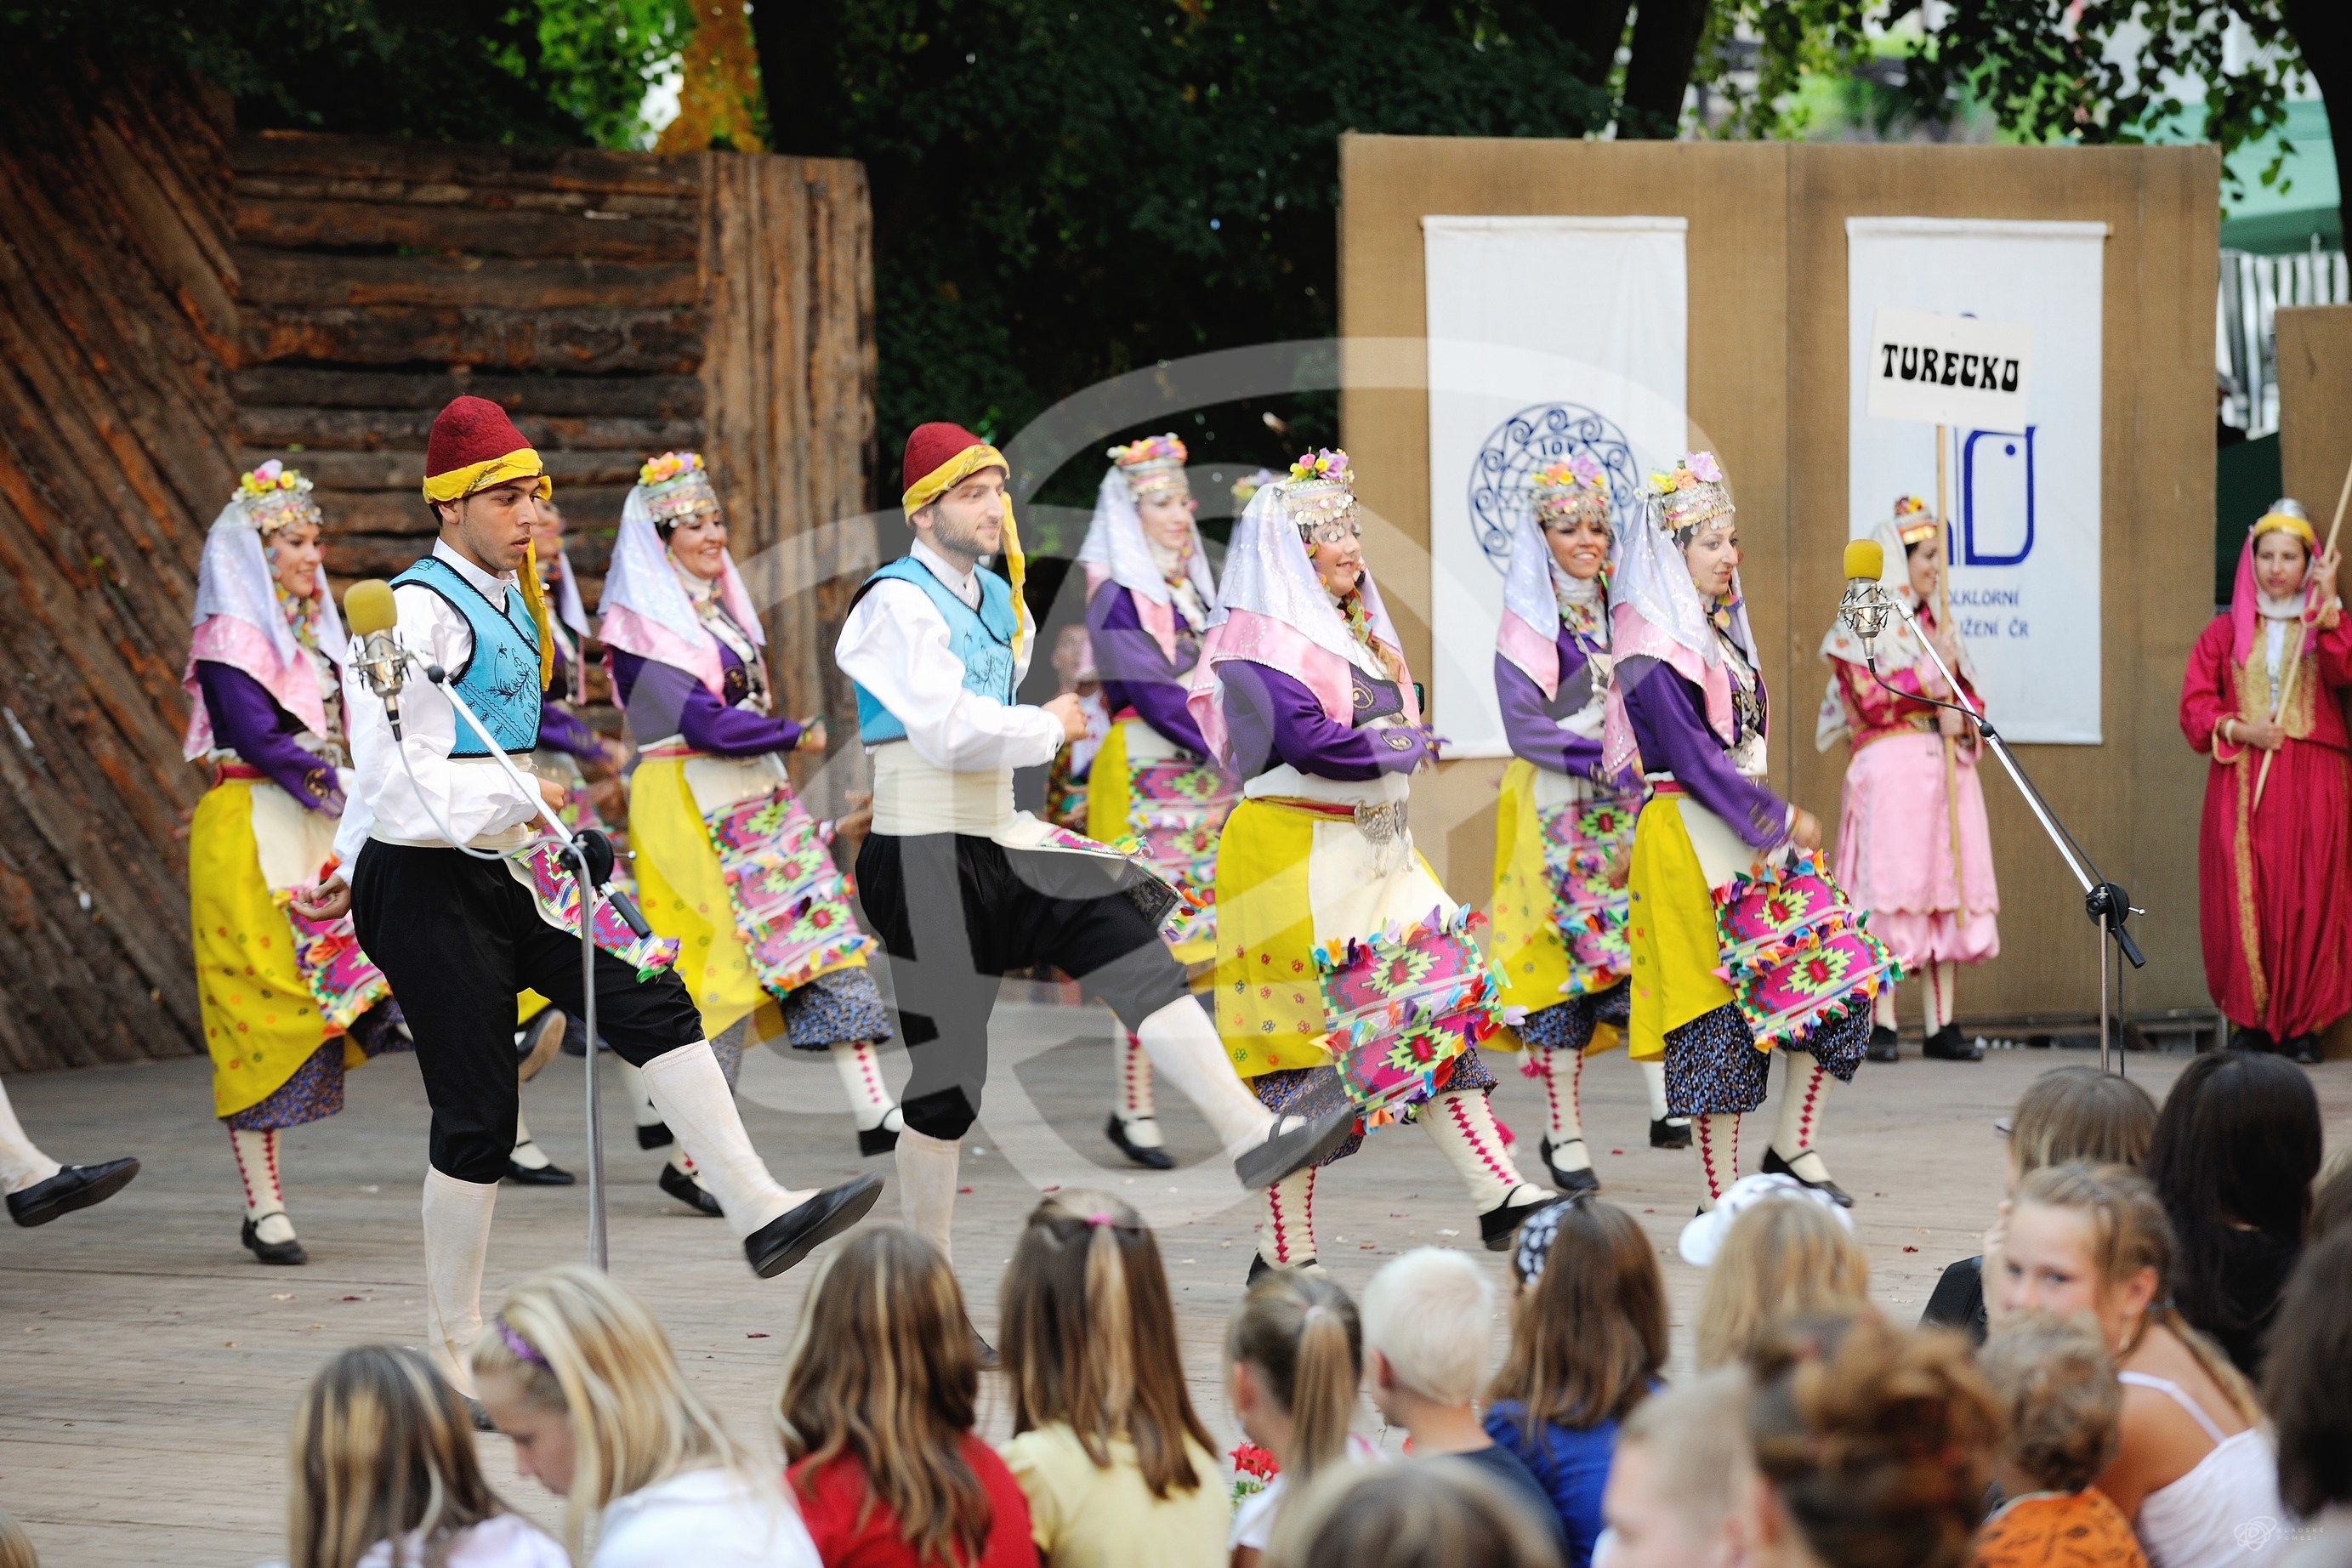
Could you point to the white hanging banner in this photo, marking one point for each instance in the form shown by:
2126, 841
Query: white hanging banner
1547, 336
1965, 299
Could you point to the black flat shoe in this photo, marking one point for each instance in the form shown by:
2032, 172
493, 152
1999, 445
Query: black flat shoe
1946, 1045
547, 1175
654, 1135
2255, 1040
871, 1141
536, 1044
1885, 1045
1670, 1132
1259, 1268
1776, 1166
1149, 1159
789, 1237
1496, 1226
689, 1192
1569, 1182
2304, 1048
286, 1252
1283, 1153
73, 1187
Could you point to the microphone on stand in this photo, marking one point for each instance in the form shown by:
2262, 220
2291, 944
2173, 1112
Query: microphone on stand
372, 617
1865, 607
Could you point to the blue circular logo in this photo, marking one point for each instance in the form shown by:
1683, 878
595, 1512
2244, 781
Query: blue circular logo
1532, 439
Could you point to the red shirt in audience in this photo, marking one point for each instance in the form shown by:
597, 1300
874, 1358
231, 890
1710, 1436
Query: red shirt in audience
830, 1505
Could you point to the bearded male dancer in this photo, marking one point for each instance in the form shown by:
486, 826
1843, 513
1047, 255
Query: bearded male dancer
960, 886
463, 935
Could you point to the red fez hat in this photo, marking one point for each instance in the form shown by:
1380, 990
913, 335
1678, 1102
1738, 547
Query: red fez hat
473, 446
931, 448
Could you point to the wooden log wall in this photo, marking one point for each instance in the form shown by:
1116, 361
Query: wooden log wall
179, 301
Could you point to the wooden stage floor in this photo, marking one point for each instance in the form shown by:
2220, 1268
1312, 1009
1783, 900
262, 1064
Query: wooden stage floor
151, 1365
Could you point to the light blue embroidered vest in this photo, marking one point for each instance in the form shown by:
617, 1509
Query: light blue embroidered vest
499, 682
981, 638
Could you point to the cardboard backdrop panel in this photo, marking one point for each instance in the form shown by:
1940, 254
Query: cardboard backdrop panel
1548, 337
2023, 501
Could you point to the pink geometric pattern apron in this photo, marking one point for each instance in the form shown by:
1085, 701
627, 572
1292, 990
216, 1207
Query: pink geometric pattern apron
792, 904
1581, 842
1794, 950
1401, 1006
1175, 810
557, 893
341, 980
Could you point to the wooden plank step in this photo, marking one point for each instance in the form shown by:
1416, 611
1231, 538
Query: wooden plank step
617, 236
282, 430
272, 277
586, 341
481, 198
638, 396
300, 152
403, 514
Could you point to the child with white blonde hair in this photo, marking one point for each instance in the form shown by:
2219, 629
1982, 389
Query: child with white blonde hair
1427, 1319
580, 1376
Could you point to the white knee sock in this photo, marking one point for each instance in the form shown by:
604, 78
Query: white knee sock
861, 1075
926, 1187
1881, 1011
456, 1240
257, 1166
1943, 978
1184, 1044
1287, 1234
1800, 1110
632, 1084
1566, 1124
1654, 1079
528, 1154
692, 1096
1718, 1137
22, 1163
1461, 1124
1138, 1115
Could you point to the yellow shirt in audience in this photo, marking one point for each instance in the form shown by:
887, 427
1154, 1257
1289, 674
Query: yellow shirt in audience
1084, 1516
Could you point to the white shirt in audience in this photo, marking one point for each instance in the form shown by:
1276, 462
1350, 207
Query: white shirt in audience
709, 1519
508, 1540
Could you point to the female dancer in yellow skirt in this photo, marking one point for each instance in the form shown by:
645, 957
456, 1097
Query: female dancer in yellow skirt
1344, 973
1148, 595
1565, 830
727, 859
1741, 939
288, 1002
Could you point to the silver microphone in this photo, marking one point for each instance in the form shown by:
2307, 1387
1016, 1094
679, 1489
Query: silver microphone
369, 609
1864, 608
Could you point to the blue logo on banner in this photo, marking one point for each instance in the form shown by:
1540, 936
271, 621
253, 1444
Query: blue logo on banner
1996, 497
1536, 438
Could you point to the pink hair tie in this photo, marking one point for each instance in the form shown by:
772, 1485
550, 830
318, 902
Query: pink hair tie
1098, 1218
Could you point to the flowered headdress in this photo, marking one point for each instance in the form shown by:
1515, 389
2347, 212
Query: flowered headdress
1897, 649
1321, 490
1249, 485
241, 618
1690, 493
647, 610
1154, 468
1912, 521
676, 486
274, 495
1570, 492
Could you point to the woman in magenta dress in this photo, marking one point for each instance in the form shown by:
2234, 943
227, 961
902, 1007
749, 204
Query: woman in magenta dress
2265, 685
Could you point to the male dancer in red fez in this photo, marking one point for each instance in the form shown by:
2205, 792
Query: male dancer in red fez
960, 886
459, 935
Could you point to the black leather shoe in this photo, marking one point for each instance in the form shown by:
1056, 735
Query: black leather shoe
1885, 1045
1776, 1166
1283, 1153
547, 1175
1259, 1268
872, 1140
2304, 1048
1670, 1132
1496, 1226
536, 1044
73, 1187
1149, 1159
689, 1192
272, 1251
2255, 1040
1569, 1183
789, 1237
654, 1135
982, 1350
1946, 1045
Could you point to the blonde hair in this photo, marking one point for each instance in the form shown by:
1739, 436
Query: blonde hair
1439, 1510
903, 1404
1301, 1332
1427, 1314
1091, 1337
2080, 1113
2059, 1397
380, 1447
16, 1546
1782, 1258
1698, 1432
2129, 1232
573, 1341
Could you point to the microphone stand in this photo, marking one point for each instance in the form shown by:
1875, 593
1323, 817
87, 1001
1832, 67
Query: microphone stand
1866, 610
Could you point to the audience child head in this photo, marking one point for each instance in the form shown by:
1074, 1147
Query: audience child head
2055, 1387
2307, 1380
1782, 1258
2079, 1113
383, 1459
902, 1407
2236, 1147
1871, 1446
1425, 1333
1090, 1339
1588, 1334
580, 1376
16, 1546
1295, 1353
1439, 1514
1679, 1482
